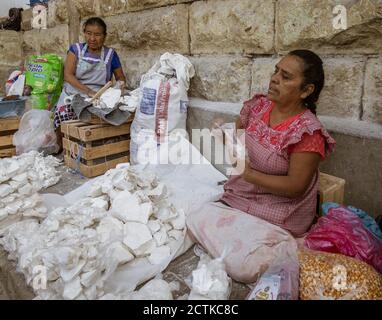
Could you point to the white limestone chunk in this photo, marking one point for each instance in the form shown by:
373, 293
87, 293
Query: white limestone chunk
174, 245
89, 278
145, 249
14, 207
118, 253
110, 98
160, 237
22, 178
106, 186
90, 266
66, 256
5, 189
157, 193
31, 201
120, 181
9, 199
91, 293
3, 214
142, 196
179, 222
12, 167
156, 289
32, 175
51, 225
100, 203
159, 255
136, 234
33, 213
110, 228
113, 194
126, 207
72, 289
167, 227
15, 184
165, 214
95, 190
153, 225
175, 234
41, 209
69, 274
26, 190
146, 180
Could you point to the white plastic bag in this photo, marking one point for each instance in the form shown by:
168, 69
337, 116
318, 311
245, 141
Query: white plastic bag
36, 132
163, 101
253, 244
17, 88
11, 80
210, 280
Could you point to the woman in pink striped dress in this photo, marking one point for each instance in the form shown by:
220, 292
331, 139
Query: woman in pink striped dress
285, 143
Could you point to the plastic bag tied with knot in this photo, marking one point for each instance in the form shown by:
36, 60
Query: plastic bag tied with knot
36, 132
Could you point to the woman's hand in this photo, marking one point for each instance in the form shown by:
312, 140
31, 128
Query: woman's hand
91, 93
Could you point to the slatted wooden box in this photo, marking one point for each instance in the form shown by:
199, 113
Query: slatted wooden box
331, 189
8, 127
93, 149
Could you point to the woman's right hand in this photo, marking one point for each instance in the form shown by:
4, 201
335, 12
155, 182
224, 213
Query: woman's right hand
91, 93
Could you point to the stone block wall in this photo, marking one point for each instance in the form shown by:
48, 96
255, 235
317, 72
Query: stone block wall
233, 44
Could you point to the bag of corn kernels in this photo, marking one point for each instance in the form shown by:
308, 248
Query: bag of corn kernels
331, 276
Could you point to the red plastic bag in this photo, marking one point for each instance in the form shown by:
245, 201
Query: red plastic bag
341, 232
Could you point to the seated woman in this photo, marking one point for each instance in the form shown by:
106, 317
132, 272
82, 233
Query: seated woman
88, 67
285, 143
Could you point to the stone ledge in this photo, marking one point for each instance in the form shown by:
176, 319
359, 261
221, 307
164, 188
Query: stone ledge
213, 106
355, 128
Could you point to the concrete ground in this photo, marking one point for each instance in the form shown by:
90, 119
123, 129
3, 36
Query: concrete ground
179, 270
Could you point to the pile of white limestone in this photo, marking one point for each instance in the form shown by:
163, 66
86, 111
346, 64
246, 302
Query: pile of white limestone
125, 216
21, 177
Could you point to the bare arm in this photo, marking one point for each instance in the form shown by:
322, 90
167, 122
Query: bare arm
69, 74
302, 167
119, 75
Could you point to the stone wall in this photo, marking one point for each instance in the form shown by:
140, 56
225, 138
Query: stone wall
233, 44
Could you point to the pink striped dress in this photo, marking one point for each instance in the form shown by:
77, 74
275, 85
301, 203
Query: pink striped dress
268, 153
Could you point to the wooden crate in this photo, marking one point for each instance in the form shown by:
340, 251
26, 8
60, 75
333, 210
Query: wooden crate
95, 148
8, 127
331, 189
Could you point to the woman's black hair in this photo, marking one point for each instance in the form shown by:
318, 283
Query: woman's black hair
96, 21
313, 74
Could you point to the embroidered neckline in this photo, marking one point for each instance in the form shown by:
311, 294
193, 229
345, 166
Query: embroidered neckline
306, 122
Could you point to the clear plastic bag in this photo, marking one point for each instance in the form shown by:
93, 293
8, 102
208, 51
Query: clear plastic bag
36, 132
210, 280
280, 281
